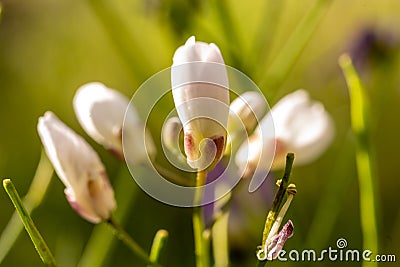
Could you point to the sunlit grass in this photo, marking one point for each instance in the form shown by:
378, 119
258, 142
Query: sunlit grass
359, 112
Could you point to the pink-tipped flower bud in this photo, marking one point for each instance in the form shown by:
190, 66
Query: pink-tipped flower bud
79, 168
101, 112
201, 95
302, 126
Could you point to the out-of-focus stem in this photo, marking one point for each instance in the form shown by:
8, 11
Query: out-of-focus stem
287, 56
122, 38
359, 122
220, 241
159, 242
201, 244
129, 242
102, 241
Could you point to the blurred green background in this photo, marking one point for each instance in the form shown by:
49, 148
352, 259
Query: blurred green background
49, 48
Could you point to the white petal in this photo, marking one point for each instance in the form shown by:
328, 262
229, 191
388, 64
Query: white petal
249, 105
245, 111
194, 51
77, 165
303, 126
66, 149
138, 143
201, 93
257, 153
101, 111
170, 134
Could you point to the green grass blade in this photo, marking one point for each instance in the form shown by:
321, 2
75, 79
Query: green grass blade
37, 239
264, 37
122, 38
359, 121
285, 60
230, 32
33, 198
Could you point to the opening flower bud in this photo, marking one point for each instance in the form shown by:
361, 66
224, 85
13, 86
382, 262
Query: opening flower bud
302, 126
201, 96
101, 111
79, 168
244, 113
171, 133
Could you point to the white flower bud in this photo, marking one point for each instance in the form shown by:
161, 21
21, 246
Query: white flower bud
101, 111
170, 135
244, 113
201, 96
79, 168
302, 126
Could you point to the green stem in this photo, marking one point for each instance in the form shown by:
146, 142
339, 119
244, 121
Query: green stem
171, 175
219, 229
37, 239
285, 60
359, 116
33, 198
277, 203
279, 218
271, 217
102, 241
159, 242
129, 242
200, 241
220, 241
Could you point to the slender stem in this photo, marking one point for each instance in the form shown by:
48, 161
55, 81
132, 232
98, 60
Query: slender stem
359, 118
171, 175
272, 219
220, 241
102, 241
159, 242
37, 239
201, 245
278, 198
219, 229
279, 218
32, 199
129, 242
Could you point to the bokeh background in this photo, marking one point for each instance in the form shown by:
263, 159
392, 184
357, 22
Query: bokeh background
49, 48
